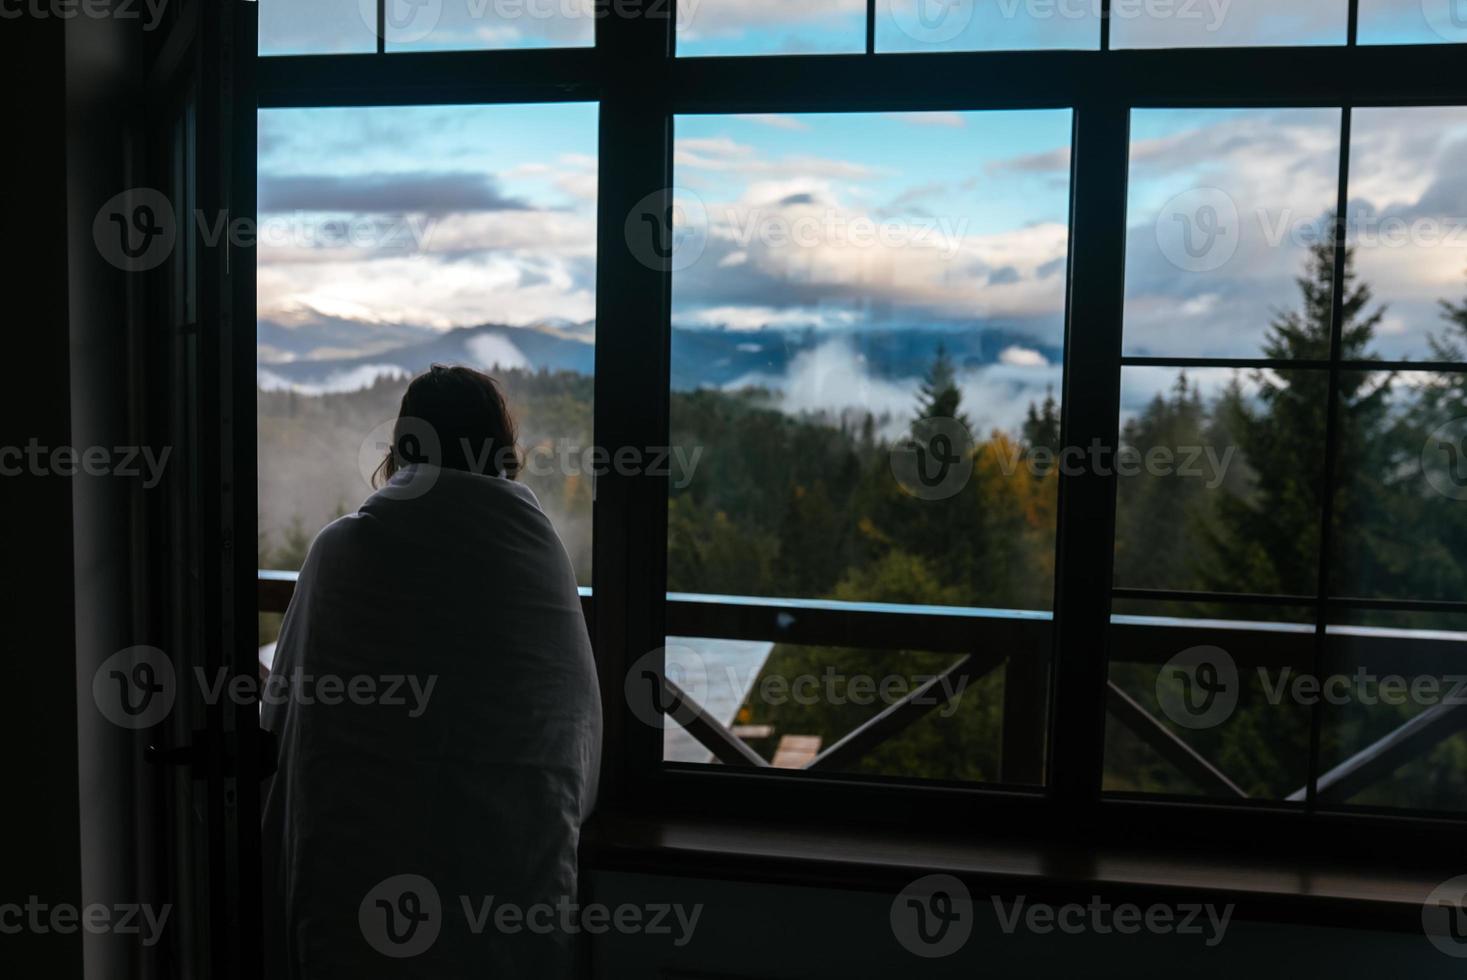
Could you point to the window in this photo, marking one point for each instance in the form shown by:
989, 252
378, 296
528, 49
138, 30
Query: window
847, 284
725, 27
1319, 514
1052, 431
394, 239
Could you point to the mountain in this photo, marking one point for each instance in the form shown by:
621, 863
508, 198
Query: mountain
332, 337
701, 357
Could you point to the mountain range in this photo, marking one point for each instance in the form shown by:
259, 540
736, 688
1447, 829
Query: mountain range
334, 355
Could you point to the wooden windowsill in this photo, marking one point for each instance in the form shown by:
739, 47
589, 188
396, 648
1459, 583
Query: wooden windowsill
1363, 896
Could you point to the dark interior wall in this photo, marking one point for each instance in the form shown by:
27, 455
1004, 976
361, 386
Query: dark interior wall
775, 932
104, 72
40, 717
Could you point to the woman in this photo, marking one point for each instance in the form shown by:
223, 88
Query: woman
439, 722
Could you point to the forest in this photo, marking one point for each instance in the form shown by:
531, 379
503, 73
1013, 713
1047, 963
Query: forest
806, 506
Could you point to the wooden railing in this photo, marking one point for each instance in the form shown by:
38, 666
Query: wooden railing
1018, 641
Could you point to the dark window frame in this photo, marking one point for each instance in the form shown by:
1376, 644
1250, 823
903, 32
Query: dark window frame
640, 86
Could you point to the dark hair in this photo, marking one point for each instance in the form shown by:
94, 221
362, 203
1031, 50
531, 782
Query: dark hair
467, 422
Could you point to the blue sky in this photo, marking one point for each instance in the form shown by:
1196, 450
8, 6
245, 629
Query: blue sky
738, 27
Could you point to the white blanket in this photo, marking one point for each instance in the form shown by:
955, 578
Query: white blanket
465, 756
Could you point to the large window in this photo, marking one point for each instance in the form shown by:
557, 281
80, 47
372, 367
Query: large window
1057, 407
867, 341
393, 239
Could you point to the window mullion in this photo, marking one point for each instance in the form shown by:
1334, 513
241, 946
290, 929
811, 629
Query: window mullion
1091, 414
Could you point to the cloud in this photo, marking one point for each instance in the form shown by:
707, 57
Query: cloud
776, 120
1016, 356
496, 352
352, 379
1048, 162
832, 378
949, 120
384, 193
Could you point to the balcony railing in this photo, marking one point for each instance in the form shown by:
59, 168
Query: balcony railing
1018, 641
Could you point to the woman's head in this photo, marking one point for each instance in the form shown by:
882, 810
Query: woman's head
457, 418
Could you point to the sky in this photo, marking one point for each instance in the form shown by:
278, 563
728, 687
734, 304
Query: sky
462, 215
739, 27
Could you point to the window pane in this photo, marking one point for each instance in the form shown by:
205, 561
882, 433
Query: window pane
1234, 23
1412, 21
1218, 484
318, 26
1216, 241
460, 25
972, 25
392, 239
789, 704
827, 299
864, 359
1380, 678
1408, 228
727, 27
1400, 518
1196, 708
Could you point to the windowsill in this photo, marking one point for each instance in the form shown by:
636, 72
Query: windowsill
1310, 892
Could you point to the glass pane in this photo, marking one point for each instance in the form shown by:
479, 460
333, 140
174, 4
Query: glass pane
460, 25
1380, 679
1408, 228
1412, 21
1216, 241
789, 704
976, 25
1218, 482
865, 355
393, 239
318, 26
1234, 23
726, 27
1401, 522
1196, 707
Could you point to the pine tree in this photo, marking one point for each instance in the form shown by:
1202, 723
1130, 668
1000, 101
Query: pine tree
1042, 424
1267, 538
939, 397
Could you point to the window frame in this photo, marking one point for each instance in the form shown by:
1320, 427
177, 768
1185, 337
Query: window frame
640, 86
